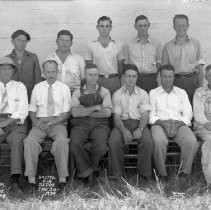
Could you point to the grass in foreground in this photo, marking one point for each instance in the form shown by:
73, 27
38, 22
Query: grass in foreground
124, 194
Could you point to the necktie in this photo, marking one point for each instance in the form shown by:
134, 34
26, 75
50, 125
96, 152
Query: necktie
4, 100
50, 105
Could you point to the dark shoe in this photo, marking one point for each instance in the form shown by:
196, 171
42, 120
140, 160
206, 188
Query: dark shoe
183, 181
14, 189
88, 181
62, 186
31, 189
163, 178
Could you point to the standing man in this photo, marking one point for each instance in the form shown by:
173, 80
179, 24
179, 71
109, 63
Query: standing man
91, 110
49, 110
29, 72
170, 117
70, 65
185, 54
145, 53
107, 54
13, 112
131, 115
202, 124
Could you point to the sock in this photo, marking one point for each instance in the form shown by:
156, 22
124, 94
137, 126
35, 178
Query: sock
31, 180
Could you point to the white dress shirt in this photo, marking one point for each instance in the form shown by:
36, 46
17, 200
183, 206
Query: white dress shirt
106, 58
39, 98
130, 106
71, 72
17, 100
174, 105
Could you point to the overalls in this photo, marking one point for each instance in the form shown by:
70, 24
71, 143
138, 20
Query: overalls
89, 129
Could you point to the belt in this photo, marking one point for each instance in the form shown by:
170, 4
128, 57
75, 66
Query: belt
109, 75
186, 74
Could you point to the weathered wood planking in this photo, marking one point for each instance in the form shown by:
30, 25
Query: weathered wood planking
43, 19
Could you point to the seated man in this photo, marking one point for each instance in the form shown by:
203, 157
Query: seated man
131, 115
91, 109
49, 110
170, 117
202, 124
13, 112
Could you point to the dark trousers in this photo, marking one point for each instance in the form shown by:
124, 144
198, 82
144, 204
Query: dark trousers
188, 83
85, 129
147, 81
116, 150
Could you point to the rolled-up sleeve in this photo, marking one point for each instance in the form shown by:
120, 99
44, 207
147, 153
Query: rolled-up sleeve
158, 56
165, 56
199, 56
120, 55
106, 99
198, 108
153, 115
145, 106
33, 102
23, 109
75, 99
67, 99
116, 104
187, 113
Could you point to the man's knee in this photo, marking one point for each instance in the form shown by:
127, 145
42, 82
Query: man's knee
115, 140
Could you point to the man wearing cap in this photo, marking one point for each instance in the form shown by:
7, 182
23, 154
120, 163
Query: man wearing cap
185, 54
131, 114
29, 72
91, 109
49, 110
202, 124
170, 117
145, 53
13, 112
71, 65
107, 54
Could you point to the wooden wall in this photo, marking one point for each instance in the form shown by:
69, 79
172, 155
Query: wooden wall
43, 19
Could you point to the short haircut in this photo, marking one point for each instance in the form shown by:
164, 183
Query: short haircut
103, 18
65, 32
141, 17
91, 66
167, 67
20, 32
180, 16
127, 67
49, 61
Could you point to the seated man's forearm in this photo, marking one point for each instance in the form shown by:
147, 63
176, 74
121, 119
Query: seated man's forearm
119, 123
100, 114
144, 119
8, 122
82, 112
59, 119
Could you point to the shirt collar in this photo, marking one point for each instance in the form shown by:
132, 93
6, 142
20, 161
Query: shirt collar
111, 40
124, 90
85, 87
137, 40
175, 41
24, 53
53, 85
2, 84
174, 90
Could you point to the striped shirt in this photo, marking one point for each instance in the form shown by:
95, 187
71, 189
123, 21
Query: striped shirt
71, 71
185, 57
130, 106
106, 58
143, 55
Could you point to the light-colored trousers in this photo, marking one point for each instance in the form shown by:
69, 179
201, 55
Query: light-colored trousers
60, 149
205, 136
185, 138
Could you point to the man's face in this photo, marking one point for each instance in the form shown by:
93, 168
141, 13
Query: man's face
130, 78
142, 27
208, 77
167, 78
6, 72
50, 72
20, 43
104, 28
92, 76
64, 43
181, 26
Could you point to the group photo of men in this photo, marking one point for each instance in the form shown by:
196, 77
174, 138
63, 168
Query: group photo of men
114, 94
